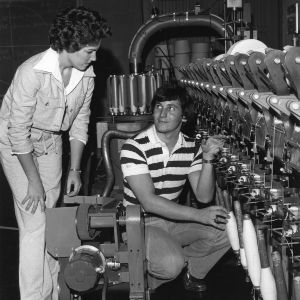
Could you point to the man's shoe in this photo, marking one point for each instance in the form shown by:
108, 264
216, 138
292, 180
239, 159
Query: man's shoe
193, 284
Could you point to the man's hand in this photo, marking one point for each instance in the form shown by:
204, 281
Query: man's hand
73, 183
212, 146
215, 216
35, 195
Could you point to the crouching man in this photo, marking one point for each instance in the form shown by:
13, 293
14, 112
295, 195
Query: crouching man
156, 164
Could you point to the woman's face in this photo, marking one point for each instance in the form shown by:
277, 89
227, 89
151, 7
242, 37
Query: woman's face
83, 58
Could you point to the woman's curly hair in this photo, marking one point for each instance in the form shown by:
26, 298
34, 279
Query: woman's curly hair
75, 28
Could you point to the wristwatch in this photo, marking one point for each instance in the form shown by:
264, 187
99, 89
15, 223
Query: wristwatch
208, 161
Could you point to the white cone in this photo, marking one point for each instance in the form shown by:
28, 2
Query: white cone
251, 251
267, 285
232, 232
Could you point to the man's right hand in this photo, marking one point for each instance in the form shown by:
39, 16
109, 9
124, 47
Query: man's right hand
215, 216
35, 195
212, 147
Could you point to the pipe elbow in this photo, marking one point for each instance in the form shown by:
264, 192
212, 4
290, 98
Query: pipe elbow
163, 22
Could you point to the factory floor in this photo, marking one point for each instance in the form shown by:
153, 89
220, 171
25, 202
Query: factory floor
226, 281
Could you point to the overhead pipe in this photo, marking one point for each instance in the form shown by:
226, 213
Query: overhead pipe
166, 21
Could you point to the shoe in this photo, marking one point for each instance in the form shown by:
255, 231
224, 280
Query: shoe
193, 284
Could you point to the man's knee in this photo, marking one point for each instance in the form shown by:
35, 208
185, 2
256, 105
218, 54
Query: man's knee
174, 265
164, 254
170, 266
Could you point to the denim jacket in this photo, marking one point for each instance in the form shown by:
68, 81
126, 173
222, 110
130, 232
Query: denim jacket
37, 101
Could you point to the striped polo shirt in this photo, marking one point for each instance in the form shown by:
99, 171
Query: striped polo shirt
146, 153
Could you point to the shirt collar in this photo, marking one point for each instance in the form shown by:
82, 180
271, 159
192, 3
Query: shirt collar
49, 63
154, 139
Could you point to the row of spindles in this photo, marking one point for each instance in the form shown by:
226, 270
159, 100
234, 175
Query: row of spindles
249, 245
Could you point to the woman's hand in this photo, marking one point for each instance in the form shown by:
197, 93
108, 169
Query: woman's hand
212, 146
73, 183
35, 195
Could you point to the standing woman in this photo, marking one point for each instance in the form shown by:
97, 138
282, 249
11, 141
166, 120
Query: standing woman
50, 93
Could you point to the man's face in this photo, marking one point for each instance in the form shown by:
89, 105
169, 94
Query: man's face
167, 116
83, 58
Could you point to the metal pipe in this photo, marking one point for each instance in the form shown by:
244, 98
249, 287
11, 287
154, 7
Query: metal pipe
105, 145
163, 22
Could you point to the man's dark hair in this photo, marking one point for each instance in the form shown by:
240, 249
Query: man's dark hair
75, 28
173, 91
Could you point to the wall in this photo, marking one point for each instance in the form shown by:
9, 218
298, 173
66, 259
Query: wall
266, 16
24, 32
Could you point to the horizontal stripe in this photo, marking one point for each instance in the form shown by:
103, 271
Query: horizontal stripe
179, 164
144, 140
170, 190
126, 160
169, 177
156, 166
188, 150
153, 152
132, 148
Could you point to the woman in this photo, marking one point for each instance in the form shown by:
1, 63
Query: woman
50, 93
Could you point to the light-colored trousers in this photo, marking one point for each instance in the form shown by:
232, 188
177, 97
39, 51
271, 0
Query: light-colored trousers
38, 271
170, 246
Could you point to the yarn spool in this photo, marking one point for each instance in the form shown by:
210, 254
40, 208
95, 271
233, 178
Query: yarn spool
219, 197
267, 281
296, 285
227, 201
279, 276
251, 251
233, 236
239, 221
231, 225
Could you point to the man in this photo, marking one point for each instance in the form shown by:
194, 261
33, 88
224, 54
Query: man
155, 166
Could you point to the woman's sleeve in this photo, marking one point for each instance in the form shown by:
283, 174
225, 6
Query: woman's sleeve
22, 92
79, 128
